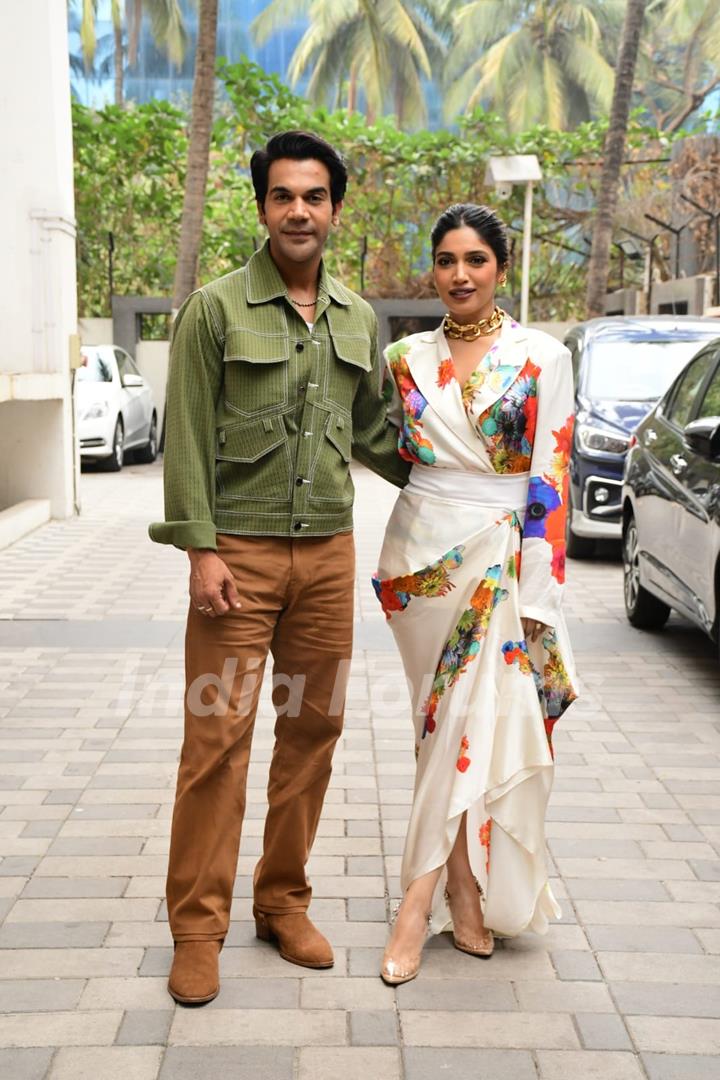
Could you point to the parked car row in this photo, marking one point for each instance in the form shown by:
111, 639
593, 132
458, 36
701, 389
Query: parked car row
115, 409
645, 463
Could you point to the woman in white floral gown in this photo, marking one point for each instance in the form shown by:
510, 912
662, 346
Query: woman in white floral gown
470, 577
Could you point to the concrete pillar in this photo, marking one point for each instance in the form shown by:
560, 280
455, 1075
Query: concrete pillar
38, 292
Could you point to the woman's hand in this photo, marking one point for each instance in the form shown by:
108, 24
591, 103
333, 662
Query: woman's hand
533, 629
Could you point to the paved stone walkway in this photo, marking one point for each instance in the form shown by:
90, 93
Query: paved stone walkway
626, 986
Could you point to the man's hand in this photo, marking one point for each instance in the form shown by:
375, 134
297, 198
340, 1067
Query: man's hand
212, 588
533, 629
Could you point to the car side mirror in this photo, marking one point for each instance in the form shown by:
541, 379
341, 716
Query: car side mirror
703, 436
132, 380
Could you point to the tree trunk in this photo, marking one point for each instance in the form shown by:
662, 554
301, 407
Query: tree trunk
135, 24
612, 159
198, 153
119, 62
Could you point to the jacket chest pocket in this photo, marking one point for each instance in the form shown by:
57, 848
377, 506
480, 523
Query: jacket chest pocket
331, 481
256, 372
253, 461
342, 375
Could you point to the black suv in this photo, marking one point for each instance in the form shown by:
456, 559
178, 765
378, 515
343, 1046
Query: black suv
621, 365
671, 503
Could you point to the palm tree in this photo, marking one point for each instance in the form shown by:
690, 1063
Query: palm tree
692, 28
88, 40
532, 60
168, 30
612, 158
382, 48
201, 122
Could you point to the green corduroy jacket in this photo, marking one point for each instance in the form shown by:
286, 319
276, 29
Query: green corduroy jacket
263, 414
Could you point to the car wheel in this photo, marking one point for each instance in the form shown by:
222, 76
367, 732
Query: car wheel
576, 547
147, 454
642, 608
114, 463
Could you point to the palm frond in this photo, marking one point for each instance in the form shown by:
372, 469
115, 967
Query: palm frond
554, 92
397, 24
589, 70
168, 28
484, 21
275, 16
87, 31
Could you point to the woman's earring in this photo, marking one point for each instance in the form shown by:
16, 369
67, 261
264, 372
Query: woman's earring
502, 280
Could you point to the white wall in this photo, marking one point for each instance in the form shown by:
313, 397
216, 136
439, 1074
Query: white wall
38, 311
152, 358
95, 331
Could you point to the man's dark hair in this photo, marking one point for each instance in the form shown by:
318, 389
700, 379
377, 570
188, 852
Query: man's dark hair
298, 146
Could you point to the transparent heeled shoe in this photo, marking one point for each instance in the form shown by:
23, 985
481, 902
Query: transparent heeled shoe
393, 973
485, 946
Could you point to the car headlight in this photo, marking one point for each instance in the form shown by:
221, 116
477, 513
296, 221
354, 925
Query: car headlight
96, 411
601, 439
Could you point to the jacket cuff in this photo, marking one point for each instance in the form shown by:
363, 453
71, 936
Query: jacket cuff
543, 615
184, 534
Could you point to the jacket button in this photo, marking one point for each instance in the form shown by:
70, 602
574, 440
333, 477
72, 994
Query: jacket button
301, 389
299, 482
297, 526
299, 347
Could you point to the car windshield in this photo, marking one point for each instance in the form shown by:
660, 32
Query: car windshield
622, 370
94, 368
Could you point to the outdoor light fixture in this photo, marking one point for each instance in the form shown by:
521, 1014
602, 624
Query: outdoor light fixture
503, 173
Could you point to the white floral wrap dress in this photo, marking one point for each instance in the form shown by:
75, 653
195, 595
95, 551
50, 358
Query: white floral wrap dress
475, 542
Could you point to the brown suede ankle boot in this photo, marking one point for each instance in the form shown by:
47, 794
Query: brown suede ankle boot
194, 977
298, 941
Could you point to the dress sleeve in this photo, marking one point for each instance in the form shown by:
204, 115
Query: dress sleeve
542, 571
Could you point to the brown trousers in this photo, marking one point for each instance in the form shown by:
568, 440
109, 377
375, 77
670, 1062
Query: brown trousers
297, 603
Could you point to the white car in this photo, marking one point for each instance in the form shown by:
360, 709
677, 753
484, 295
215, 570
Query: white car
115, 408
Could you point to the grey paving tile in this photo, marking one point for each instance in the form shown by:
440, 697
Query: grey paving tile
665, 999
39, 995
461, 994
652, 939
145, 1027
241, 1063
53, 934
706, 869
429, 1063
26, 1064
589, 1065
681, 1066
577, 966
367, 909
603, 1031
370, 1027
598, 889
41, 888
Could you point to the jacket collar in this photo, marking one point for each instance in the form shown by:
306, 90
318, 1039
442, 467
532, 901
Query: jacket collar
264, 281
502, 365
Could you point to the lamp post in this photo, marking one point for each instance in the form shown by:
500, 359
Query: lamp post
503, 173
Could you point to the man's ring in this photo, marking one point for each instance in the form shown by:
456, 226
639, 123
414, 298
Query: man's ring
204, 610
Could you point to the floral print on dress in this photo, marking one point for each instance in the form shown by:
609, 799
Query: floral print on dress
558, 691
464, 642
463, 761
547, 502
412, 443
446, 373
394, 593
508, 426
516, 652
485, 833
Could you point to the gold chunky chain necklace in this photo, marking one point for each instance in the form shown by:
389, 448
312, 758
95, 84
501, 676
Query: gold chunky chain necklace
472, 331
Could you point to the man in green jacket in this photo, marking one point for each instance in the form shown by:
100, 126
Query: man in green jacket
273, 384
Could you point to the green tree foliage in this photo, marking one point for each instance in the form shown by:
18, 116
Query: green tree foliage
382, 48
533, 61
129, 168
